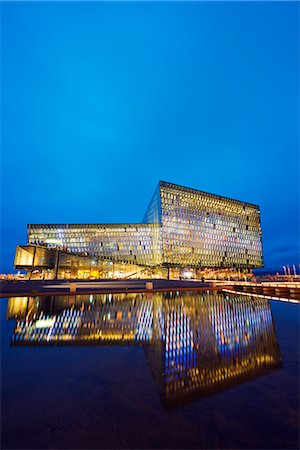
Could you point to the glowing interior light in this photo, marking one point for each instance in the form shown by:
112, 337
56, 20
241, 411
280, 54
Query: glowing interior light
45, 323
188, 274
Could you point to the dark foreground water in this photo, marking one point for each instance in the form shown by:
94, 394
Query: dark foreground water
139, 371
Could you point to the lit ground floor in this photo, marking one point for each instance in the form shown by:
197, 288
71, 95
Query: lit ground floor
122, 271
44, 263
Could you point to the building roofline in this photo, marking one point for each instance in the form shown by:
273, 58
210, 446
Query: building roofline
188, 189
90, 225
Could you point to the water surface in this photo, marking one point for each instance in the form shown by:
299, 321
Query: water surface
161, 370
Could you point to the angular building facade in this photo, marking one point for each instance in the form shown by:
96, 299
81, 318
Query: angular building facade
205, 230
184, 230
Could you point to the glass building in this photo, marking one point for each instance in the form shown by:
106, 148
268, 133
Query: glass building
184, 231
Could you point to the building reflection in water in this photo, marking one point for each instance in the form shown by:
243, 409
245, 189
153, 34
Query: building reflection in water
195, 343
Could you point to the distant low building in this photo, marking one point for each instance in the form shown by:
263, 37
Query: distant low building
184, 233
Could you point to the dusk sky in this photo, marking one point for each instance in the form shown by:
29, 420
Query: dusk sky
100, 101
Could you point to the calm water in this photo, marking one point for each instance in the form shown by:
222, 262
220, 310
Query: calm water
162, 370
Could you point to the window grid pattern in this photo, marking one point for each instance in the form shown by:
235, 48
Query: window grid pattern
206, 230
182, 227
138, 244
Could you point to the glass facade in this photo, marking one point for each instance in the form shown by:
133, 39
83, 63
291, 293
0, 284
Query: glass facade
129, 243
182, 228
206, 230
44, 262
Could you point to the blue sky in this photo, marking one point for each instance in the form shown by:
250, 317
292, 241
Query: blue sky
102, 100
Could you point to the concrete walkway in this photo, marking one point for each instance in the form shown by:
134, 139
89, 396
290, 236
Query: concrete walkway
17, 288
